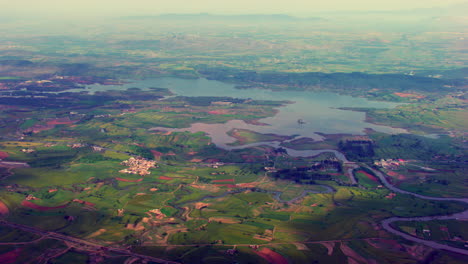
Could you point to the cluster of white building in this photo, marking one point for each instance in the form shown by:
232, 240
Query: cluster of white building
389, 163
138, 166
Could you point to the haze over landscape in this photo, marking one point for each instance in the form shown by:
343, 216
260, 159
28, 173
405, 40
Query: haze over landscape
148, 7
233, 131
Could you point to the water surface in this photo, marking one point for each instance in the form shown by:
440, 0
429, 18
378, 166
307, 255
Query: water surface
319, 110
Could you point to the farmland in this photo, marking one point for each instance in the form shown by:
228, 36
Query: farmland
232, 145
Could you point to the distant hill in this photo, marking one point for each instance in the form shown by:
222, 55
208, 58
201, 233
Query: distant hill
332, 81
214, 17
460, 9
461, 73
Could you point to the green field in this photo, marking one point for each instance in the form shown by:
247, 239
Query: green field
449, 232
77, 100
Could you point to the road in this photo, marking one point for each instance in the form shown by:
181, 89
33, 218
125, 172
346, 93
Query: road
387, 223
81, 242
270, 244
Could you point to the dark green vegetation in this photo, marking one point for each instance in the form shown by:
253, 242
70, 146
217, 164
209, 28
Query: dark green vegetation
445, 116
402, 146
67, 145
351, 83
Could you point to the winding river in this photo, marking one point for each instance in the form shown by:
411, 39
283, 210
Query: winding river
320, 112
386, 224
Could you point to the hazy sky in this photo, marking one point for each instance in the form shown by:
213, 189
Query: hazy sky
146, 7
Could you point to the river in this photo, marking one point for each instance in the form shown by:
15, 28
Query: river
386, 224
319, 111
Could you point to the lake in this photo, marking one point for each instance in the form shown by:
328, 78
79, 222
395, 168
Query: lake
319, 110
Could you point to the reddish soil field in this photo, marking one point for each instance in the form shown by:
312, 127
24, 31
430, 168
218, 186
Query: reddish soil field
226, 180
3, 209
227, 185
59, 122
29, 204
83, 202
371, 177
408, 95
127, 180
353, 256
396, 175
211, 160
4, 155
10, 257
385, 244
40, 128
157, 154
6, 107
165, 178
218, 112
50, 125
271, 256
248, 184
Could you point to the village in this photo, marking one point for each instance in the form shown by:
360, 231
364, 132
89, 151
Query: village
390, 163
138, 166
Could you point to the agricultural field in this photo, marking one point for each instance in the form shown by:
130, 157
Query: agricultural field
202, 200
366, 178
432, 179
446, 232
244, 137
439, 116
112, 152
